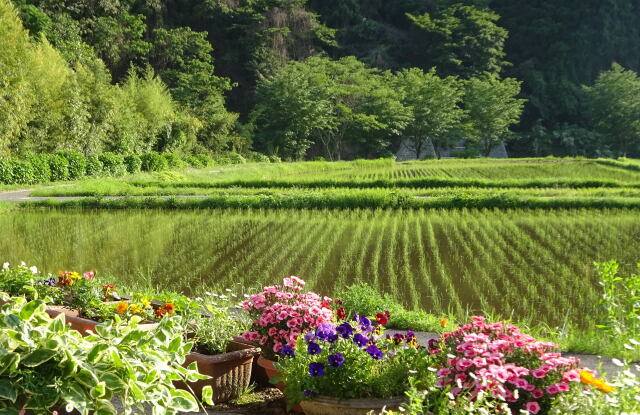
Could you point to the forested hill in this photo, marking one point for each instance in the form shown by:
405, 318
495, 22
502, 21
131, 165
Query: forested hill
227, 65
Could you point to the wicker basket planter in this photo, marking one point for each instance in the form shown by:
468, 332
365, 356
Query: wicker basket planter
325, 405
230, 372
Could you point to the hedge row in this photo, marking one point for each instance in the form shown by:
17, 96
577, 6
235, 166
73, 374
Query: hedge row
415, 183
344, 201
68, 165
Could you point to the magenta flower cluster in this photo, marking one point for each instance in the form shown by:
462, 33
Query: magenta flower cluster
498, 359
282, 313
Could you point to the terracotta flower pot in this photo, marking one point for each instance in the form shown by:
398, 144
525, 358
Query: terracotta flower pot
272, 373
325, 405
83, 325
230, 372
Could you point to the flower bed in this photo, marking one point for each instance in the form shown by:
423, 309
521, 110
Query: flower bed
324, 359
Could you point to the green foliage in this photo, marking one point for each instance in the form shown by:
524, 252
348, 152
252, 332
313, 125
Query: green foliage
41, 168
95, 166
330, 104
467, 41
620, 302
193, 161
614, 107
205, 160
214, 331
492, 107
48, 365
77, 164
359, 374
173, 160
59, 166
436, 106
365, 300
112, 164
153, 161
133, 163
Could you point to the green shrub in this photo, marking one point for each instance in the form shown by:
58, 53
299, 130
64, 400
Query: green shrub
77, 164
223, 161
153, 161
41, 169
204, 159
173, 160
193, 161
23, 172
94, 167
6, 171
258, 157
365, 300
113, 164
275, 159
236, 158
133, 163
59, 167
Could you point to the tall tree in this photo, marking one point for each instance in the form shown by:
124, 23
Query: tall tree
461, 40
436, 106
614, 105
492, 107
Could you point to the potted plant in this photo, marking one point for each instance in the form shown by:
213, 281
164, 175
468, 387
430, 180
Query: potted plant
228, 363
352, 368
280, 313
45, 366
498, 360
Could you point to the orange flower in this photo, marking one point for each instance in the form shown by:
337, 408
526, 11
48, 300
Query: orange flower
169, 307
122, 307
161, 312
443, 322
586, 377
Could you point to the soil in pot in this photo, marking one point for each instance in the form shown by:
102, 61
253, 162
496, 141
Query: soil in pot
230, 372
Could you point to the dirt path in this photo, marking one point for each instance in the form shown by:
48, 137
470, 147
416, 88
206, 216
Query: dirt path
24, 195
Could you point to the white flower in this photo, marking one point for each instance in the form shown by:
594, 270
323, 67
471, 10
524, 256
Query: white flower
634, 342
69, 407
33, 269
227, 290
24, 264
5, 265
617, 362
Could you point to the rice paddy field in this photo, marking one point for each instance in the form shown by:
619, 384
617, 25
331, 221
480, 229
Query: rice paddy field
521, 262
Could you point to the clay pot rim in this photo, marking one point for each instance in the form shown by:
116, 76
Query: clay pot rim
250, 352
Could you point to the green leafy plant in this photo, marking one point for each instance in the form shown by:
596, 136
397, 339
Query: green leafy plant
153, 161
133, 163
620, 302
214, 330
353, 360
46, 366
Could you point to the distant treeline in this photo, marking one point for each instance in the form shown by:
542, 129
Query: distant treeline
320, 78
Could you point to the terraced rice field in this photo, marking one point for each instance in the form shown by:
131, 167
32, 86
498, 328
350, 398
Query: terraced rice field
519, 263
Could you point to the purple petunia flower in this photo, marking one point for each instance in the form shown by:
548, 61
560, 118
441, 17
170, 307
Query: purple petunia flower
313, 348
310, 336
360, 340
336, 360
287, 351
325, 331
345, 330
316, 369
374, 352
308, 392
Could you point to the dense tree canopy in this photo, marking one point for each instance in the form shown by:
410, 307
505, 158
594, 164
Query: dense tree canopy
220, 68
